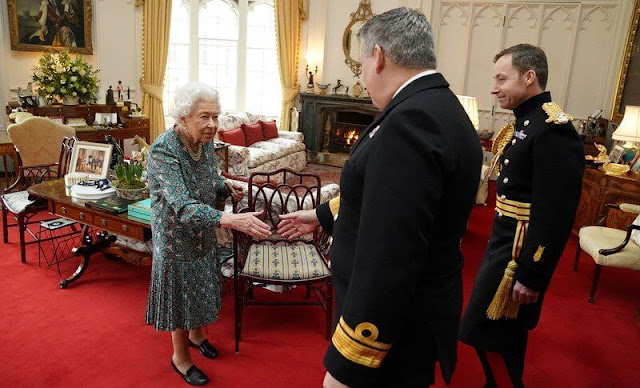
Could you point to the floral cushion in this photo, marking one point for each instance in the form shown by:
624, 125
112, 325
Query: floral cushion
259, 156
282, 261
291, 145
232, 120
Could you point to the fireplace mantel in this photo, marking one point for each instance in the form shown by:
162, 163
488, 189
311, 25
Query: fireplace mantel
316, 110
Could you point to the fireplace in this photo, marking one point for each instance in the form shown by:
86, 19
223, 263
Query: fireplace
332, 124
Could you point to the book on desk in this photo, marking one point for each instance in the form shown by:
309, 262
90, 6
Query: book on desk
111, 205
141, 209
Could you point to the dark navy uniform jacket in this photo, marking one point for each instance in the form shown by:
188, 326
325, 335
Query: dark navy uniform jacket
543, 166
406, 193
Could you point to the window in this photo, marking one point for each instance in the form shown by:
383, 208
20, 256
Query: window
230, 45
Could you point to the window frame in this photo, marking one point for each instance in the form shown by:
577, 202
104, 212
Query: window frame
242, 8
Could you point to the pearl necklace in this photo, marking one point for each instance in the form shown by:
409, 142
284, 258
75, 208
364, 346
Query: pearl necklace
195, 155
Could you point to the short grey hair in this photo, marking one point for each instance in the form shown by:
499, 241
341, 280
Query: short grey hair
404, 35
525, 57
188, 95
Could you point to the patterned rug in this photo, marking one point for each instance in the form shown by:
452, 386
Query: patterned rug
327, 174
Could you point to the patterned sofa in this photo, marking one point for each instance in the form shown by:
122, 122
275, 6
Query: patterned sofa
287, 150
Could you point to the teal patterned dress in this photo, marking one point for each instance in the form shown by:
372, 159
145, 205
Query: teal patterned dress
185, 283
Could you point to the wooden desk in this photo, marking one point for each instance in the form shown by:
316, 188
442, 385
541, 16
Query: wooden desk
599, 189
131, 125
72, 208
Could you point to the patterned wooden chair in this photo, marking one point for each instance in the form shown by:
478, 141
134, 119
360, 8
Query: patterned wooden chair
277, 261
44, 152
609, 247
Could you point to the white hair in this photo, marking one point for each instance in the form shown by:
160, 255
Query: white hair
188, 95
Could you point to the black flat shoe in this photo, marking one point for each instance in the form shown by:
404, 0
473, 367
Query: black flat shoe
205, 348
194, 376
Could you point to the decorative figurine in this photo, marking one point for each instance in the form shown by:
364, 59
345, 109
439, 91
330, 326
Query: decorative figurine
346, 91
110, 99
337, 87
120, 89
128, 93
310, 82
117, 153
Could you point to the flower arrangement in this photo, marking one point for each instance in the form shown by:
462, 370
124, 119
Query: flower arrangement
59, 76
129, 176
129, 184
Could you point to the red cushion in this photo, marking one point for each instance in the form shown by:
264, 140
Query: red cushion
252, 133
269, 129
234, 136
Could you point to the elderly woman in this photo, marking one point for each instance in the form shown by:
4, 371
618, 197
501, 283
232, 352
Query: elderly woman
184, 294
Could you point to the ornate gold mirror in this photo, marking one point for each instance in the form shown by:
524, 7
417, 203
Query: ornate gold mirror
350, 42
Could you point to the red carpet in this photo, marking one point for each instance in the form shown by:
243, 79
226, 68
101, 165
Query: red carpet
93, 333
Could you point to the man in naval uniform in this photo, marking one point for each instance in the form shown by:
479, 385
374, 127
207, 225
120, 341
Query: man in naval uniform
406, 193
540, 162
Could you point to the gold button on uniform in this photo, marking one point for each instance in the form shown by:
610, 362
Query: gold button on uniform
526, 122
506, 162
503, 196
513, 141
505, 180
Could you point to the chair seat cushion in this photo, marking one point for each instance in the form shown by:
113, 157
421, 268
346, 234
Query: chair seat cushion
16, 202
594, 238
285, 261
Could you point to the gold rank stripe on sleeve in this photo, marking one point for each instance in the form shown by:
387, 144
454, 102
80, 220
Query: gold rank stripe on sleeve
360, 345
334, 206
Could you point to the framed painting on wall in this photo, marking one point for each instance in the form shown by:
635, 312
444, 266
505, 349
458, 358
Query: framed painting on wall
628, 89
51, 25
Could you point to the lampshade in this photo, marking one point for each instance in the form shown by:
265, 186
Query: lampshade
470, 106
629, 129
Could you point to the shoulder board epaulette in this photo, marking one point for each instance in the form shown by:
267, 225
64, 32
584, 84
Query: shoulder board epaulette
555, 113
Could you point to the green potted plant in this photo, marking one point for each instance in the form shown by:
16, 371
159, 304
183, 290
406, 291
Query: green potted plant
129, 184
61, 78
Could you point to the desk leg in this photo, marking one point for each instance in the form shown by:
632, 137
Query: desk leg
88, 248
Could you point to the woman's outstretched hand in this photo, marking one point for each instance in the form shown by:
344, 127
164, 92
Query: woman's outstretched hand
248, 223
296, 224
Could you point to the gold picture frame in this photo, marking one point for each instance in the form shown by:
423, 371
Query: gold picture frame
628, 88
50, 26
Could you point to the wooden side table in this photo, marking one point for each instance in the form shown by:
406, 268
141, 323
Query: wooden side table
8, 152
599, 189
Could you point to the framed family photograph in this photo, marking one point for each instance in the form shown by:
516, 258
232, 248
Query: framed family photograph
91, 158
616, 154
50, 25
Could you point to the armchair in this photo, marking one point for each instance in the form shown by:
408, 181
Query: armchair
44, 151
276, 261
609, 247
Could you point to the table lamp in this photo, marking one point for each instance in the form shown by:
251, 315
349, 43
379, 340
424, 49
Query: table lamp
470, 105
629, 130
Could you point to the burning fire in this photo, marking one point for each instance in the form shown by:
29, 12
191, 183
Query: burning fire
351, 137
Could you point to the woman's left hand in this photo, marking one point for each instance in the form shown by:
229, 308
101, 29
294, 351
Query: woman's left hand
237, 191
